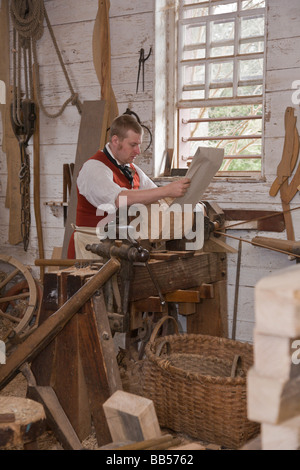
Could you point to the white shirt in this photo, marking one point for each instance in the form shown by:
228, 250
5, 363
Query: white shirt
95, 182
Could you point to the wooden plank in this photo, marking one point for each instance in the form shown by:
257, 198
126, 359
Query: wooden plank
131, 417
57, 420
186, 308
177, 274
87, 145
211, 314
95, 371
273, 356
170, 255
108, 347
102, 61
269, 221
277, 304
271, 400
168, 162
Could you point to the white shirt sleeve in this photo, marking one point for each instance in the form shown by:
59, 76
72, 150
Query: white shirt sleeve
95, 183
145, 181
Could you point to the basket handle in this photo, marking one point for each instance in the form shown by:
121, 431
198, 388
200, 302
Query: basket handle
235, 363
158, 326
160, 347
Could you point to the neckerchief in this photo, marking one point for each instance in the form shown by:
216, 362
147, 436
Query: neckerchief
126, 170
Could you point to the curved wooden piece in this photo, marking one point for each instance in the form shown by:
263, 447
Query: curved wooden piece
32, 300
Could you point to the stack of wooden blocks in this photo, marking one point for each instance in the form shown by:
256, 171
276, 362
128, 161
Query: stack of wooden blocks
274, 380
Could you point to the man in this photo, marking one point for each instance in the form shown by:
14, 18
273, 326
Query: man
110, 175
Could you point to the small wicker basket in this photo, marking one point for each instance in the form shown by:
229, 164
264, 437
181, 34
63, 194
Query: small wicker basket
198, 386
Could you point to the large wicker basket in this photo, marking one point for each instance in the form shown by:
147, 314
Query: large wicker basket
198, 386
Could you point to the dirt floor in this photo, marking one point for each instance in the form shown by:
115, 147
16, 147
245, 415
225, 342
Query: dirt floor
18, 388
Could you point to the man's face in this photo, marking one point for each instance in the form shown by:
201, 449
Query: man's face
127, 149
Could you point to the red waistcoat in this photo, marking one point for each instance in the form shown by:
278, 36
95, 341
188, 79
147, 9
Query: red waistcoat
86, 212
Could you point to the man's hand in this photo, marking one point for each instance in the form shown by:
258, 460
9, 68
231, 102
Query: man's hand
177, 188
149, 196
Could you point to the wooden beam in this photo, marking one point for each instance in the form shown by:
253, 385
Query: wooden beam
195, 295
210, 317
172, 275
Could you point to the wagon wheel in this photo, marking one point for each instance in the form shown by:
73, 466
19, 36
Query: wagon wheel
18, 296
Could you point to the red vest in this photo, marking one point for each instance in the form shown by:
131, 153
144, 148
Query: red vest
86, 212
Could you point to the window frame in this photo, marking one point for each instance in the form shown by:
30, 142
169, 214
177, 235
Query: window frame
235, 100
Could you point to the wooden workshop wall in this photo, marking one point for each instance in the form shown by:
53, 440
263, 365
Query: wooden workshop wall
132, 28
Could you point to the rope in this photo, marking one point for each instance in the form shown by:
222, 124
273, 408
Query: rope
28, 19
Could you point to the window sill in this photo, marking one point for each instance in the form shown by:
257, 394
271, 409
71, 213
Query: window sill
233, 177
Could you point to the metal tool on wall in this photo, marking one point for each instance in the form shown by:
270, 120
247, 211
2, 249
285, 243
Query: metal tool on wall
142, 60
23, 132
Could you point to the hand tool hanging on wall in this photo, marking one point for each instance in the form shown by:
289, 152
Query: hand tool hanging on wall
23, 132
132, 113
142, 60
67, 184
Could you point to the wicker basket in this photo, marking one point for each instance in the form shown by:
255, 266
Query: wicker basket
198, 386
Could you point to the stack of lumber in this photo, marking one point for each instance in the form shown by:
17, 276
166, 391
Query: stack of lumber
274, 380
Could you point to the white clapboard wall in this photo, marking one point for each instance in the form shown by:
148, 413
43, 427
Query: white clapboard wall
132, 26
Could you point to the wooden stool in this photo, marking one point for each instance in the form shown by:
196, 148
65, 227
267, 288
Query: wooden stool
22, 421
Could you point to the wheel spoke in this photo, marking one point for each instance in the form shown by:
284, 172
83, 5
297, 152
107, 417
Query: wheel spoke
14, 297
9, 278
9, 317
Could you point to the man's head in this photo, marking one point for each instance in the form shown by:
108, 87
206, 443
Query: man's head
125, 138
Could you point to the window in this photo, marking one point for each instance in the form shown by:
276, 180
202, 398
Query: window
221, 47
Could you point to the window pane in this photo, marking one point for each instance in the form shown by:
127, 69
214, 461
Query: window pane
194, 75
221, 72
220, 9
221, 93
222, 51
249, 164
251, 69
194, 34
252, 27
250, 90
195, 12
192, 53
250, 4
252, 47
193, 95
222, 31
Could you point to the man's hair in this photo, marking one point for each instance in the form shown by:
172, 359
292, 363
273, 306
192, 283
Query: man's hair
122, 124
